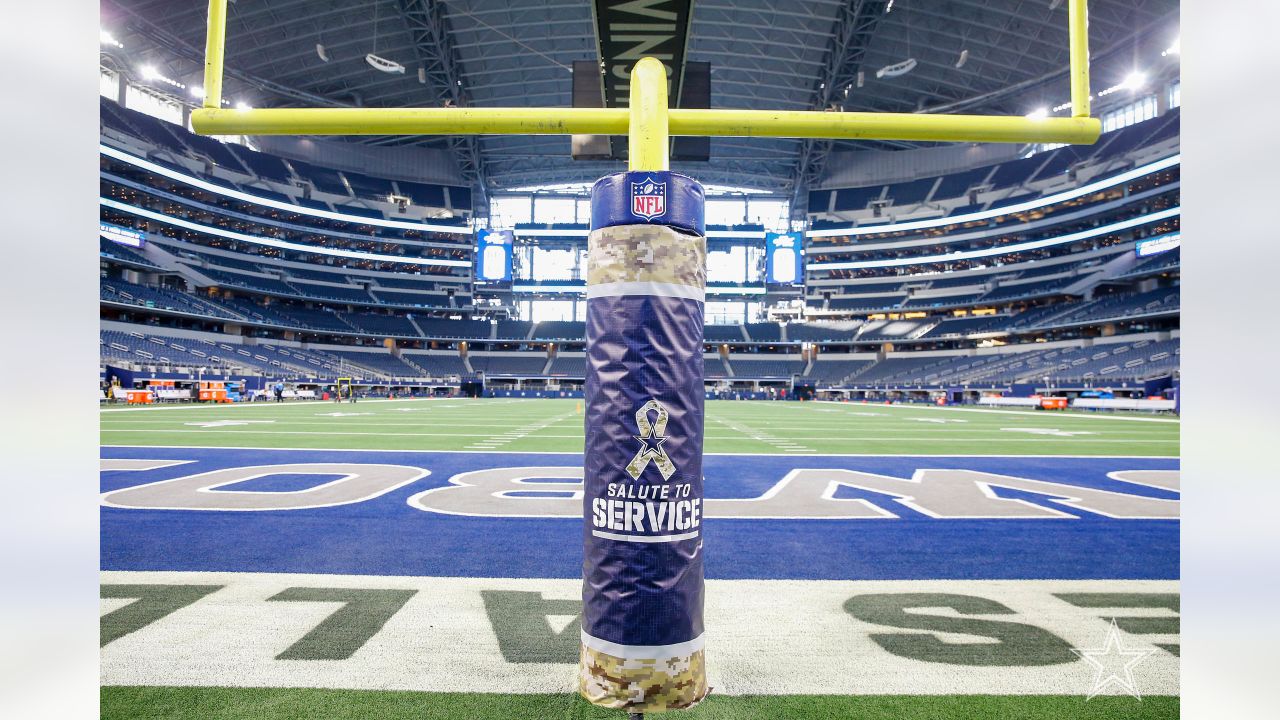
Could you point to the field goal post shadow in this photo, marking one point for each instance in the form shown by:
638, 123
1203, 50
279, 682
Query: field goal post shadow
649, 121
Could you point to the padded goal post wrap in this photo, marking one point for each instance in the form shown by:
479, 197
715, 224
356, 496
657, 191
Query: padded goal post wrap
642, 586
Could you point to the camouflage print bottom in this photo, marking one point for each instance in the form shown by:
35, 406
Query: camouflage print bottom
644, 685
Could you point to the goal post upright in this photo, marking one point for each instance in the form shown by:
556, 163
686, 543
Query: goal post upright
1078, 39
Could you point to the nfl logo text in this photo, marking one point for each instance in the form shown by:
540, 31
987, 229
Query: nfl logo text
648, 198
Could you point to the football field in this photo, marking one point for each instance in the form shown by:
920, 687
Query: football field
421, 558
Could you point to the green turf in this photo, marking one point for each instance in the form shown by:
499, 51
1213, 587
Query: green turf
174, 703
520, 425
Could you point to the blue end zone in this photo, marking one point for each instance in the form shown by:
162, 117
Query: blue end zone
385, 536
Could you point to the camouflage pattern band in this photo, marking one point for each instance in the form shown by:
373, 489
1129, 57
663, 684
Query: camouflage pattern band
643, 686
645, 254
642, 590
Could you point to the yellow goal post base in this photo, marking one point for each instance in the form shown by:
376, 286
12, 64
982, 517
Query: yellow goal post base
649, 122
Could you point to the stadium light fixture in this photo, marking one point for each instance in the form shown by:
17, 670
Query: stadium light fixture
1039, 113
649, 121
897, 69
1174, 49
105, 38
243, 106
384, 65
1133, 81
149, 72
197, 91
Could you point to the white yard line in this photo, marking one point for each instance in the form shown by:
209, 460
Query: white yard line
519, 433
760, 436
206, 448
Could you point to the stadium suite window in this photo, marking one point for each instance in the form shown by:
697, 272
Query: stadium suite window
726, 212
108, 84
772, 214
1135, 112
727, 266
145, 102
554, 265
726, 313
554, 209
555, 310
507, 210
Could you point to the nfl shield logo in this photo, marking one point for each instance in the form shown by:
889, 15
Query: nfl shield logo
648, 198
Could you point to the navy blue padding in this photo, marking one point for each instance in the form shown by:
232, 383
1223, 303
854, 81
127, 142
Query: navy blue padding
642, 348
685, 206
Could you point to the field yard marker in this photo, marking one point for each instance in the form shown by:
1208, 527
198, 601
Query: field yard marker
784, 445
226, 423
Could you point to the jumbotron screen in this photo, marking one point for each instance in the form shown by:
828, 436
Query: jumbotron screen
784, 259
493, 256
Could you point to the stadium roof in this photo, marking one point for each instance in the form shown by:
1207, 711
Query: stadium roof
764, 54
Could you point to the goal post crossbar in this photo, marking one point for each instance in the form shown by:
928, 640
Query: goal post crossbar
649, 122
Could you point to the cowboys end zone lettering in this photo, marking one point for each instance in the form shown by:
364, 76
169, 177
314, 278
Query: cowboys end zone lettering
556, 492
520, 515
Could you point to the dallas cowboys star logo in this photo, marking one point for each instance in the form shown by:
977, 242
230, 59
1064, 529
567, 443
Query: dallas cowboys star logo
650, 446
1114, 664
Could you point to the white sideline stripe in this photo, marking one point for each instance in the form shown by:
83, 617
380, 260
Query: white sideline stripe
206, 448
426, 402
238, 430
133, 464
644, 538
643, 652
1041, 415
656, 289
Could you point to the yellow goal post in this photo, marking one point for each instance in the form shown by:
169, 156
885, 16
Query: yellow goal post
649, 122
